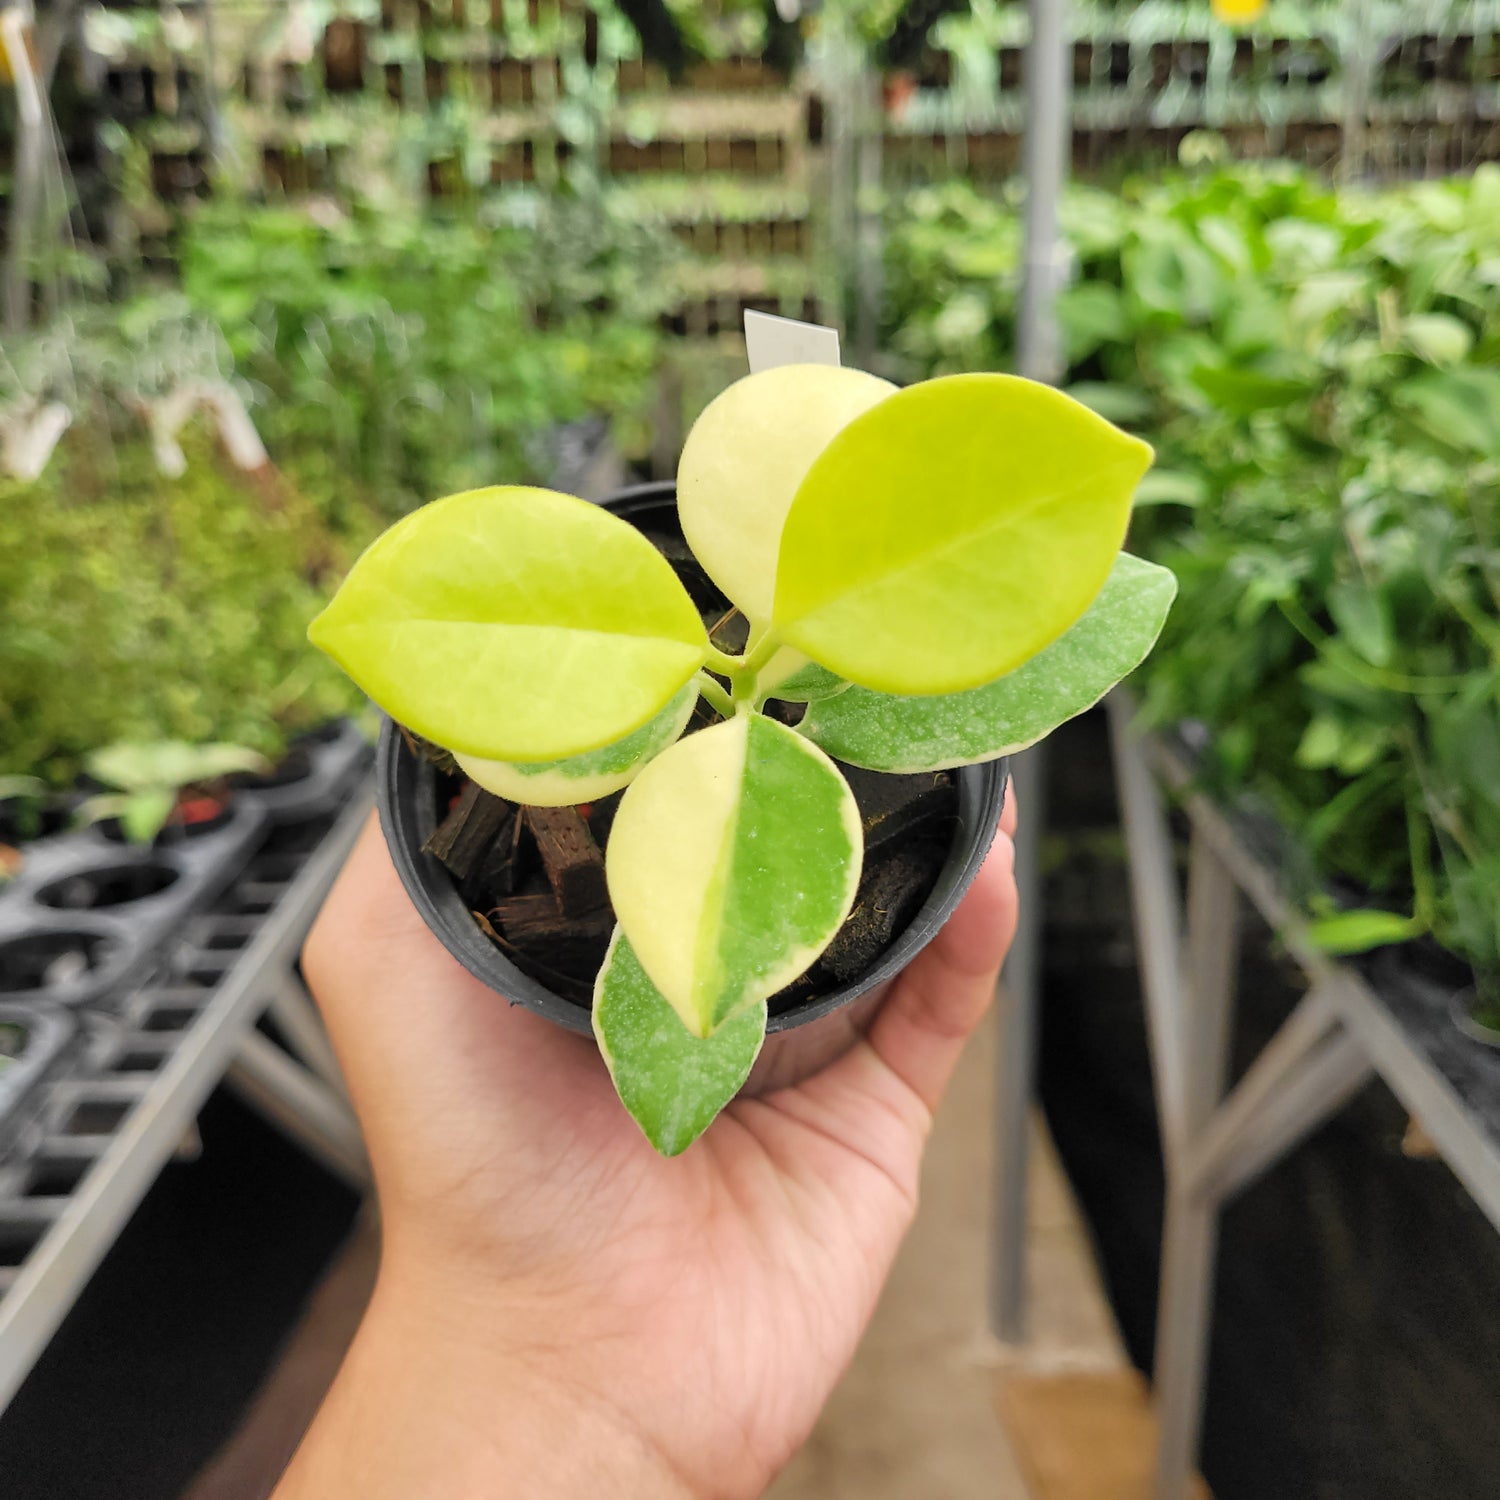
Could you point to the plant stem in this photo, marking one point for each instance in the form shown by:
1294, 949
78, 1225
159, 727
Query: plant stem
713, 694
741, 671
760, 649
1424, 901
724, 664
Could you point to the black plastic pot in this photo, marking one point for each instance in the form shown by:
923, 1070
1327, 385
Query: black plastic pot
23, 820
800, 1040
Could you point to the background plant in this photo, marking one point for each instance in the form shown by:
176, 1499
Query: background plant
1316, 370
135, 606
386, 357
418, 355
147, 779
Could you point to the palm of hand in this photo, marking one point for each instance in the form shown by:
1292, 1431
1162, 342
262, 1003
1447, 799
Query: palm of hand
732, 1282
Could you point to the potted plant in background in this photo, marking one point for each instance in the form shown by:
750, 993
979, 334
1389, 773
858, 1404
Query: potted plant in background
164, 785
27, 812
925, 579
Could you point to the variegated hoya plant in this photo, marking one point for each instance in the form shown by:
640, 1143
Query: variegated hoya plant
935, 572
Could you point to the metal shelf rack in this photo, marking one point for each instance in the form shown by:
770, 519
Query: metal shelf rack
104, 1127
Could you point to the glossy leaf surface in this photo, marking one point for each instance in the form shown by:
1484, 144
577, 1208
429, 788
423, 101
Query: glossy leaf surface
514, 624
743, 461
952, 532
884, 732
672, 1082
733, 860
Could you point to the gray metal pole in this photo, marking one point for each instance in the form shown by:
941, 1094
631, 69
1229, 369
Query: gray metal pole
1039, 356
214, 115
1016, 1061
1358, 45
1048, 148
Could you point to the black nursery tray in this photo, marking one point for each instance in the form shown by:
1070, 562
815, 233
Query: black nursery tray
315, 777
1425, 1011
88, 914
43, 1033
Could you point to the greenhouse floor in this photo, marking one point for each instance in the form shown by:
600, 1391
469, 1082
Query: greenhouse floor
931, 1406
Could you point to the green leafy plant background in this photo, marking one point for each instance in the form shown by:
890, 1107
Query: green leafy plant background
1318, 373
385, 356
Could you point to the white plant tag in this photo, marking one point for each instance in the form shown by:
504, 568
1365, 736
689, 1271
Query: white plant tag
772, 341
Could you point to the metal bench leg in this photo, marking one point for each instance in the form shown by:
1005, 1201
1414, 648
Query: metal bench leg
294, 1011
1019, 993
1189, 1248
301, 1105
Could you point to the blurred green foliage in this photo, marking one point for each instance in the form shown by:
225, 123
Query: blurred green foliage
136, 607
1318, 373
387, 358
413, 355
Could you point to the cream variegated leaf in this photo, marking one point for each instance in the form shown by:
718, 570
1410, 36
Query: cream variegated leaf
743, 461
586, 777
515, 624
733, 860
672, 1082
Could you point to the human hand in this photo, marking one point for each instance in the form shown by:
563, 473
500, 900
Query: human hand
560, 1311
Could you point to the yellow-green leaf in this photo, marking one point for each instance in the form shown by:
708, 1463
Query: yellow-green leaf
888, 732
1360, 930
953, 531
514, 624
583, 778
743, 461
143, 815
672, 1082
733, 860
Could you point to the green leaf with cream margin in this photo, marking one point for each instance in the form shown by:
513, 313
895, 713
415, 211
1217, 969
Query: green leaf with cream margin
791, 677
515, 624
672, 1082
743, 461
952, 532
583, 778
733, 860
884, 732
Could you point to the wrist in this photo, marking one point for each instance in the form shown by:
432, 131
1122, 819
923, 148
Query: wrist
441, 1395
